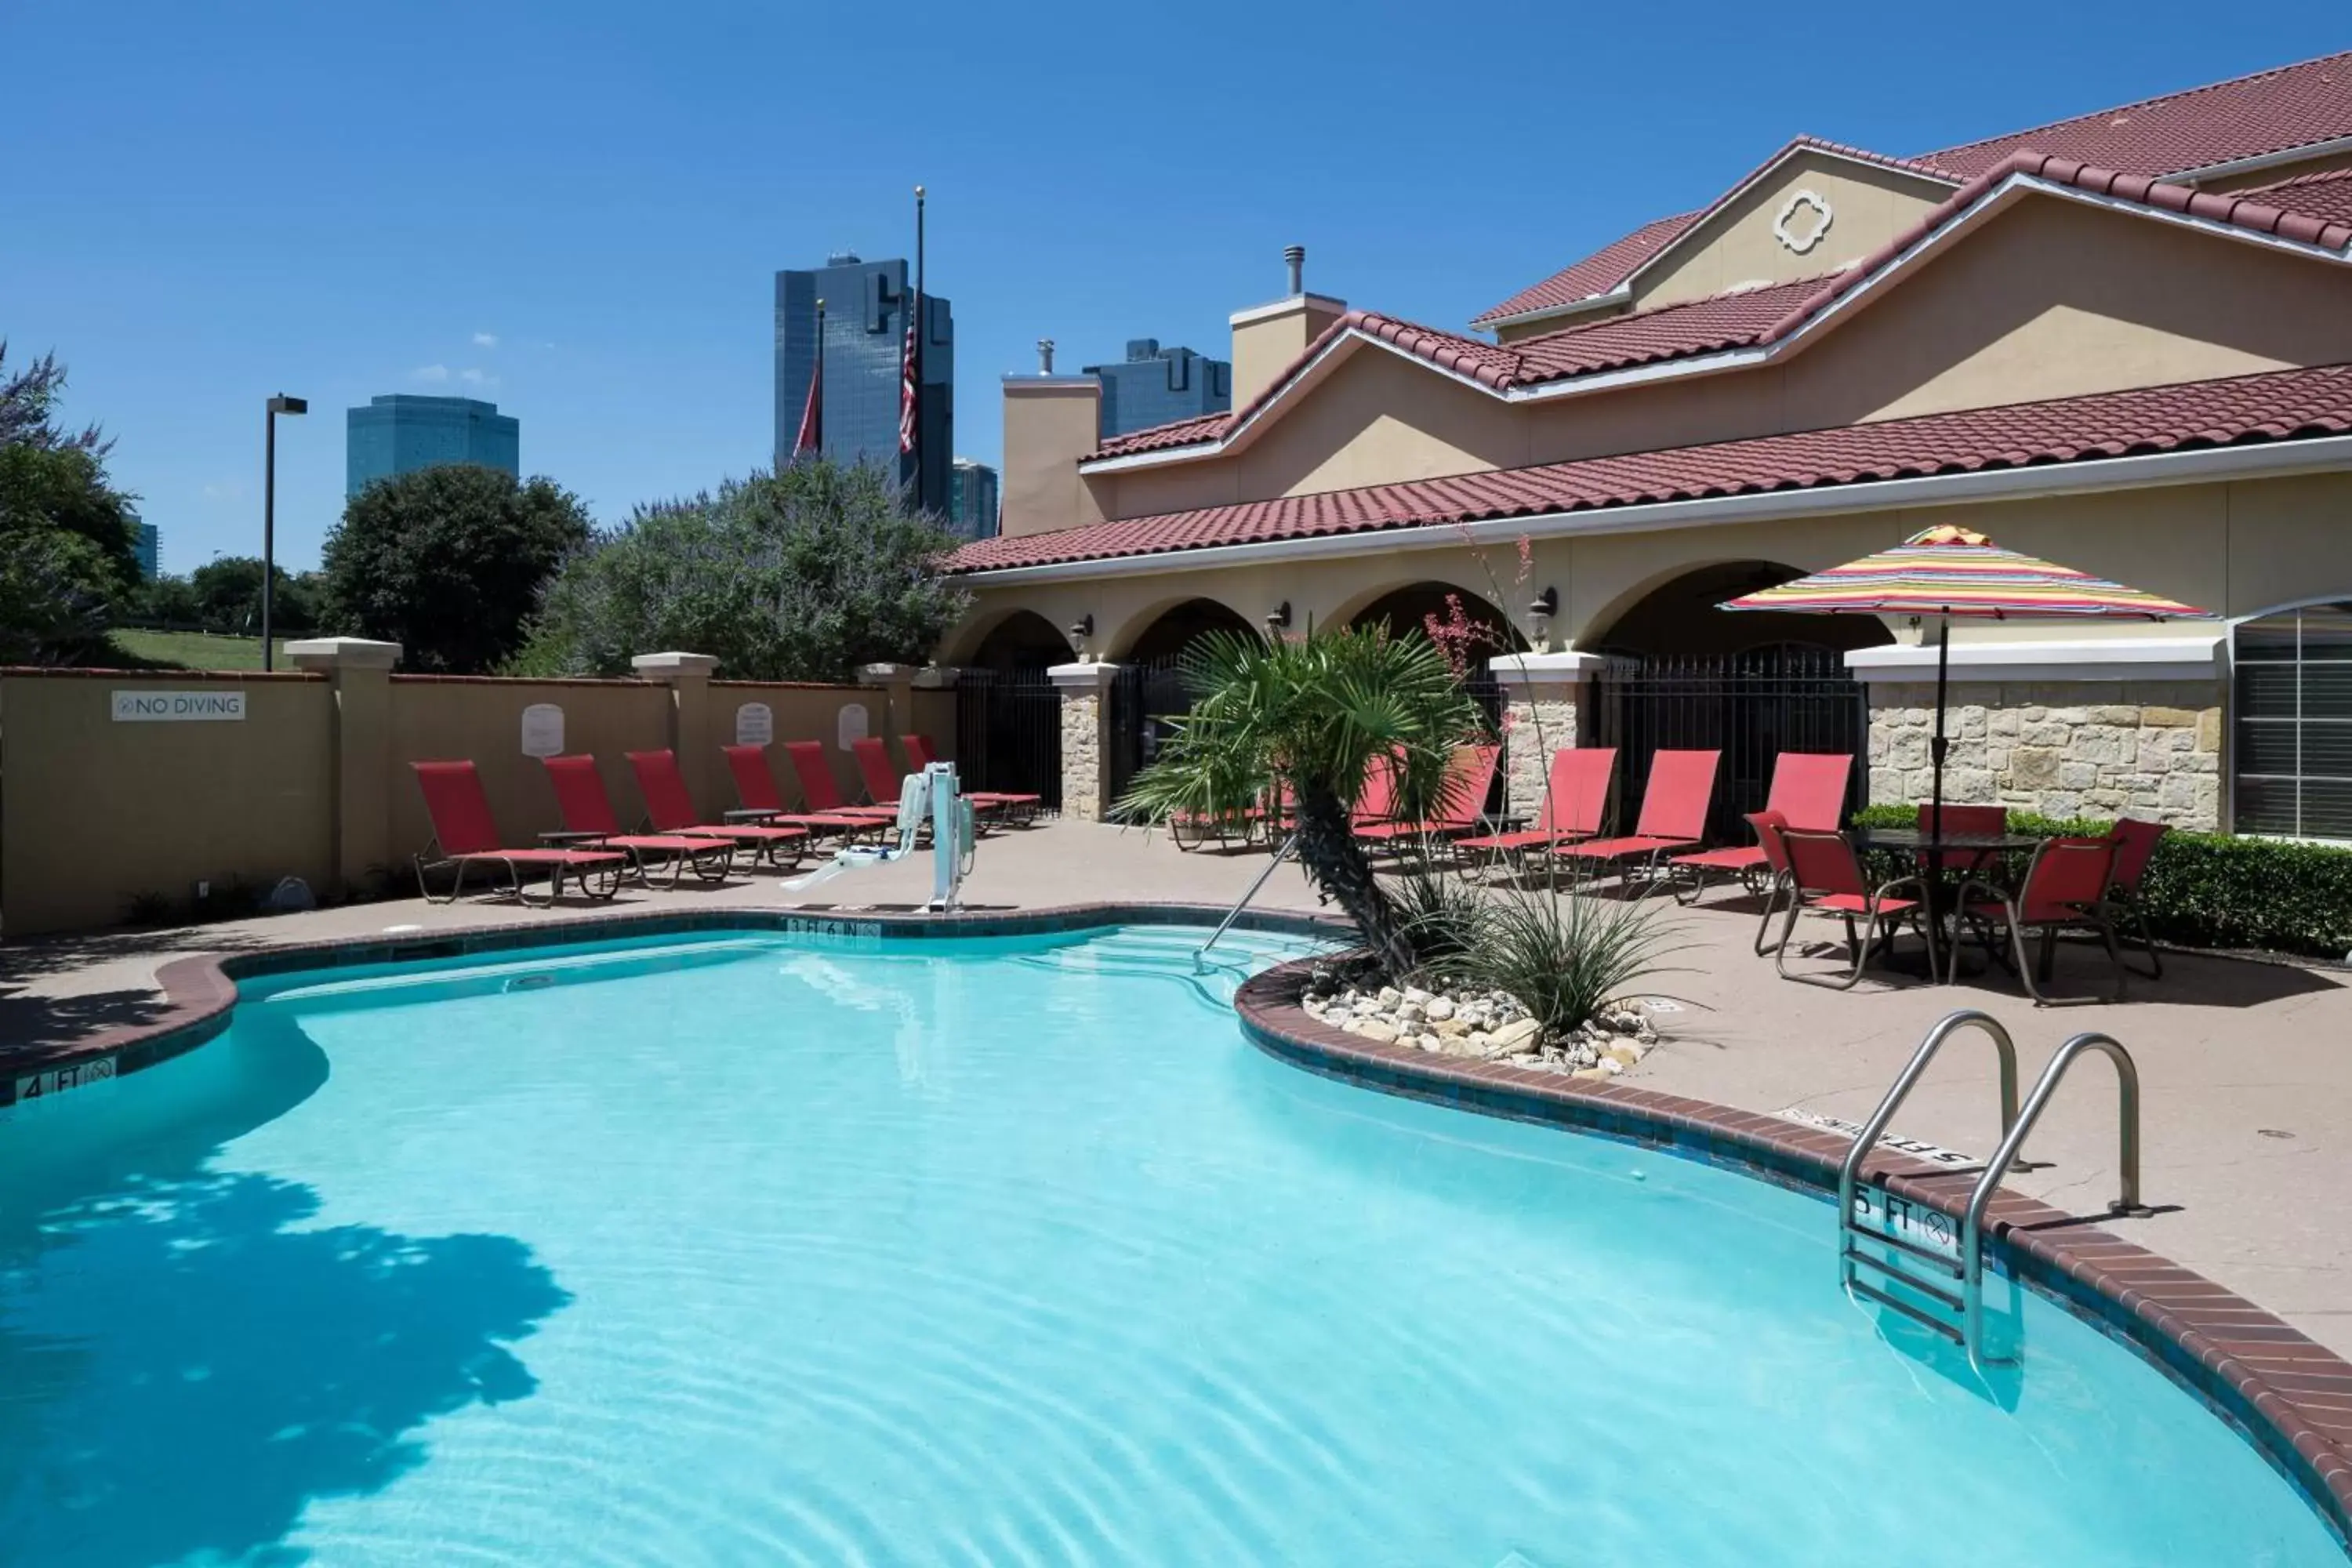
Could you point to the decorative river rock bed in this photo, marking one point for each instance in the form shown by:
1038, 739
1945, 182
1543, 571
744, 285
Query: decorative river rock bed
1486, 1025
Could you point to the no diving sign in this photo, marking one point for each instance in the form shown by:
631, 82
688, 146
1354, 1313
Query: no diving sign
177, 707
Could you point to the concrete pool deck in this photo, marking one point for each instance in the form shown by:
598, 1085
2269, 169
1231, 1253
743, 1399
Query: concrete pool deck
2246, 1068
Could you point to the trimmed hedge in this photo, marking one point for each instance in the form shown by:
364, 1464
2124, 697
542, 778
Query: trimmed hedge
2217, 890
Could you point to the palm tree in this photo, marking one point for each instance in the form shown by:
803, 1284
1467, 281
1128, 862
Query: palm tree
1317, 714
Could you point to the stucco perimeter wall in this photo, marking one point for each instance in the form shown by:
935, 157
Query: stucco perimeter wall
95, 812
813, 714
2145, 749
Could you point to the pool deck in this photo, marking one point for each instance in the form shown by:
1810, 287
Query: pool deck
2246, 1068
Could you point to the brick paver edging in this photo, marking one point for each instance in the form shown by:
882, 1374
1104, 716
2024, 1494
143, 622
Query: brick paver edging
2288, 1395
2291, 1397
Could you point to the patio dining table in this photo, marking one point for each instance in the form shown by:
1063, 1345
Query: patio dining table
1950, 851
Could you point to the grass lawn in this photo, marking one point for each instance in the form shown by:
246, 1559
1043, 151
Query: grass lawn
195, 650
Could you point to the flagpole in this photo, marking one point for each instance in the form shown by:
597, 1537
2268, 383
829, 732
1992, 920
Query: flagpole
921, 333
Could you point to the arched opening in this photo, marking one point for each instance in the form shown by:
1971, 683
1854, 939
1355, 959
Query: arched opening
1178, 627
1683, 675
1679, 619
1414, 606
1008, 715
1021, 640
2291, 757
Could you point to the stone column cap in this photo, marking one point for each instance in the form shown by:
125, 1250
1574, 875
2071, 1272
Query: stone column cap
342, 653
654, 665
1081, 677
2196, 656
937, 677
885, 674
1566, 669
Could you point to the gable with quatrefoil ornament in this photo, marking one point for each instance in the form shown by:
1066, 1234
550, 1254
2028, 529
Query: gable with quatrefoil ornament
1804, 219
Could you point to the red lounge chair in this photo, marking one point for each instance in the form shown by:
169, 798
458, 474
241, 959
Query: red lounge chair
755, 787
588, 817
463, 832
1376, 800
670, 807
1017, 808
2135, 845
1807, 792
823, 795
2065, 889
1576, 798
1469, 774
1673, 817
1824, 873
1769, 825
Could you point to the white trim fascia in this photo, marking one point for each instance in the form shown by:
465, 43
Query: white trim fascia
1996, 201
1620, 295
2318, 454
2195, 658
1015, 382
1281, 307
2262, 161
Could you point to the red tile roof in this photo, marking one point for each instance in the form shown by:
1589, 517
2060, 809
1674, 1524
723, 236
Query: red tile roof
2269, 111
1611, 265
1175, 433
2327, 195
2271, 407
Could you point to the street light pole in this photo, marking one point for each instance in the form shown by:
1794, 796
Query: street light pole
282, 404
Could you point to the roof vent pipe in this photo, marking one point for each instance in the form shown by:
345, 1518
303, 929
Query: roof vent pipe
1044, 356
1295, 258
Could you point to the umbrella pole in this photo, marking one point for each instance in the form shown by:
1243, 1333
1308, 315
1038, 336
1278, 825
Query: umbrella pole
1936, 746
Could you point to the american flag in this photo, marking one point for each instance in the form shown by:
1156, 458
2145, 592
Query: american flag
907, 385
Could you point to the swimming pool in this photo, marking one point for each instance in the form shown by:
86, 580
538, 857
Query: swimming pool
784, 1249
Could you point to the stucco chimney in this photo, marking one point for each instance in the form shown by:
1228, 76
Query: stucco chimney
1050, 422
1268, 338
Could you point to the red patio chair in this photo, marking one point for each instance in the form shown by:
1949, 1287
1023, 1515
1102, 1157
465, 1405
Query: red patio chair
670, 807
1825, 874
1576, 801
1808, 791
823, 795
588, 818
1461, 801
1986, 819
463, 832
1673, 817
2065, 889
1769, 825
2135, 847
755, 787
1014, 807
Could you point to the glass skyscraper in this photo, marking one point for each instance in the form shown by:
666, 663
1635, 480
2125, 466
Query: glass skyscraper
971, 499
148, 546
1156, 386
402, 433
865, 335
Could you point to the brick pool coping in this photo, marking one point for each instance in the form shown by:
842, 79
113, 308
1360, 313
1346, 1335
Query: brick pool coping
2291, 1397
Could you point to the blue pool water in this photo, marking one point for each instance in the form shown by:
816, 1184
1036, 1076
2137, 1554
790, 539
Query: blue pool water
774, 1250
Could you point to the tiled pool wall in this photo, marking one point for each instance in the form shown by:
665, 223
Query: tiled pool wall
2289, 1397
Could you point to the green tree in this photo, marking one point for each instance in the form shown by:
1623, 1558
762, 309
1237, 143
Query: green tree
798, 575
227, 591
448, 561
169, 602
67, 535
1317, 714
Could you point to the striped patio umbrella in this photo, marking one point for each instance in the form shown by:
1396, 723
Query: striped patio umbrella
1947, 571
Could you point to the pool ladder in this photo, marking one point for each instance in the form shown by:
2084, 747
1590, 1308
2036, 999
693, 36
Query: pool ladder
1955, 1293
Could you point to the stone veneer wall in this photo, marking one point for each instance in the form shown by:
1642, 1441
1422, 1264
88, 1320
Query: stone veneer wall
1538, 720
2150, 749
1082, 756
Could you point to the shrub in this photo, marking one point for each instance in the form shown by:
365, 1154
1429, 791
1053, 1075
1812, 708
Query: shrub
2218, 890
1564, 954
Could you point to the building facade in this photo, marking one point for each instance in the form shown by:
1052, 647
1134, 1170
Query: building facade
2122, 343
1155, 387
403, 432
147, 544
866, 305
971, 499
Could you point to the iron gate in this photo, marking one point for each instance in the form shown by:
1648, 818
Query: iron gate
1144, 696
1009, 732
1751, 707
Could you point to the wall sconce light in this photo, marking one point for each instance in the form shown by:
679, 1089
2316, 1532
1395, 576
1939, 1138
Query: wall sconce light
1277, 620
1540, 612
1081, 629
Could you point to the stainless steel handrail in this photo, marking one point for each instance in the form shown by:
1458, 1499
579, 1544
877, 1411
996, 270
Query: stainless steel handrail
1850, 1174
1201, 954
2128, 1152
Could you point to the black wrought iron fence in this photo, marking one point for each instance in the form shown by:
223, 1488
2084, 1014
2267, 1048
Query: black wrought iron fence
1751, 707
1009, 732
1145, 697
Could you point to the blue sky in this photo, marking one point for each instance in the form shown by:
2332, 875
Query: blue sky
577, 210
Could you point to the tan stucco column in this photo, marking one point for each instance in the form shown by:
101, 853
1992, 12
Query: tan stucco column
362, 672
2101, 728
1543, 696
1084, 690
687, 675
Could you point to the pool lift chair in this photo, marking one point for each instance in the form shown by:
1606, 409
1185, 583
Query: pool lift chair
931, 796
